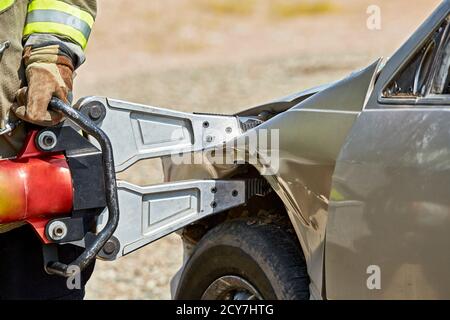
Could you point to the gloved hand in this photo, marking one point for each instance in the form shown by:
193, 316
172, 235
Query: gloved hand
49, 73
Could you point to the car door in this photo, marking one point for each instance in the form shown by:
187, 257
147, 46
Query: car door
388, 231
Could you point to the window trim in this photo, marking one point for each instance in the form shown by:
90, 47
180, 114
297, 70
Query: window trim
430, 98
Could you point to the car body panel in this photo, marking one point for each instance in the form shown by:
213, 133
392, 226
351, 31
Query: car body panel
390, 207
284, 103
311, 136
364, 180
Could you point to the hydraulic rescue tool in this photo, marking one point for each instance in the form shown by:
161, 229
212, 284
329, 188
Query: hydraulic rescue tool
64, 183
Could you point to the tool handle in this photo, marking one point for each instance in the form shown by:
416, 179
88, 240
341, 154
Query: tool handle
112, 202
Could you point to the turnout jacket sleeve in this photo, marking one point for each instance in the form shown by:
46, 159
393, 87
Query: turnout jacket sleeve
66, 21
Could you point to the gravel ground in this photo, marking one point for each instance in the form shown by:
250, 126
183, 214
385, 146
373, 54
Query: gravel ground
247, 60
144, 274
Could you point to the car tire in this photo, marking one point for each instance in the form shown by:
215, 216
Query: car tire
245, 260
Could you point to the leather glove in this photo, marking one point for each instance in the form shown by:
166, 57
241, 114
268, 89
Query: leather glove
49, 73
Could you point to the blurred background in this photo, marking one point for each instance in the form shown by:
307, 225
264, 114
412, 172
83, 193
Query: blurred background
222, 56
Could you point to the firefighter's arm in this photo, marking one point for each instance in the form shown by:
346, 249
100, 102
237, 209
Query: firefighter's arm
55, 36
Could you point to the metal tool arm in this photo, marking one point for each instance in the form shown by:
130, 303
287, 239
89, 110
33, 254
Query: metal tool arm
94, 248
147, 213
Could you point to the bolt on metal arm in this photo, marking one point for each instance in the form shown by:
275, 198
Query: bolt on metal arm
3, 46
112, 201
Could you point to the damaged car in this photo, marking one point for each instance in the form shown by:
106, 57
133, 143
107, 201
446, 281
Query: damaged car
358, 206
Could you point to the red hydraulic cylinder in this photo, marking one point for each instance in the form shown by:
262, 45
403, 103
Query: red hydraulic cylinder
34, 185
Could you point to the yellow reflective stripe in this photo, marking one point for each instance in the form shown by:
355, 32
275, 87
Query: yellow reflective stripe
63, 7
56, 28
59, 17
4, 4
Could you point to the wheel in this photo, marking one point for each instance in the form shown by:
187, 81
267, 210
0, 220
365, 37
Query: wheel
245, 260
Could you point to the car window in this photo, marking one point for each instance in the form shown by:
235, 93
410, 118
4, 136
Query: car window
441, 82
427, 71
